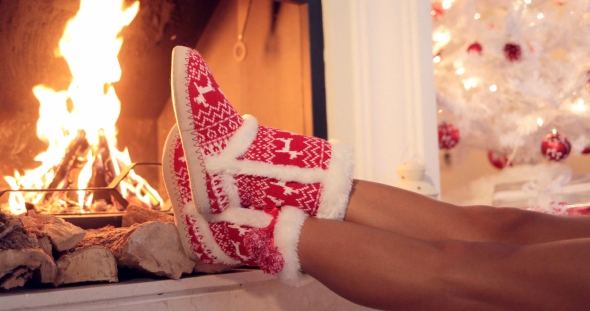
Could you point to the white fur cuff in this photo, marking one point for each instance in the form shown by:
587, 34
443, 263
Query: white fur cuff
337, 183
286, 239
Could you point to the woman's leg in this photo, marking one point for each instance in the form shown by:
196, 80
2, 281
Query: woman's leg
381, 269
420, 217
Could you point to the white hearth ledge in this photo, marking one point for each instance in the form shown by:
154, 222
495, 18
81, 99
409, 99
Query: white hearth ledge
241, 290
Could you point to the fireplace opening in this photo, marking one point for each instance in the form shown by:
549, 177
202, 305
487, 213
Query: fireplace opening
265, 54
274, 80
85, 84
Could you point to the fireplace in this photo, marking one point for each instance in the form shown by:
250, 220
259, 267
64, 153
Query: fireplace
265, 54
278, 76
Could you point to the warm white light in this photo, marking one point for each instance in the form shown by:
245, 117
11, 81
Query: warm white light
477, 16
493, 88
580, 105
527, 1
540, 15
446, 4
540, 121
440, 111
460, 71
441, 37
436, 59
469, 83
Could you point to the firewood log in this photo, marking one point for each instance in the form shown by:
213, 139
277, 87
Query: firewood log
135, 214
151, 247
20, 255
17, 266
89, 264
62, 234
77, 146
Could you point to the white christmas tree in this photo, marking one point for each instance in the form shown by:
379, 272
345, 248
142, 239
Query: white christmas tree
509, 72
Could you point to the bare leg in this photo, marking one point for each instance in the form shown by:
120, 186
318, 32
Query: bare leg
420, 217
381, 269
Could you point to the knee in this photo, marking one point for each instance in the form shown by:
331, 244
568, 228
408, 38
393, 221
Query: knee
499, 221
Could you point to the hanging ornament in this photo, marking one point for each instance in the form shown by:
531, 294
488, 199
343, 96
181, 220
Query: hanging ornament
240, 50
498, 160
555, 147
586, 150
512, 51
474, 48
436, 11
448, 136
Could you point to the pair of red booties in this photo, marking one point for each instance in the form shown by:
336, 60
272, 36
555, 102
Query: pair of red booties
241, 191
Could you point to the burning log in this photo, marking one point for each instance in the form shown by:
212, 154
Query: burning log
105, 155
103, 170
152, 247
76, 147
90, 264
20, 255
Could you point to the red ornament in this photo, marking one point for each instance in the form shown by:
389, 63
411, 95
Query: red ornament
498, 160
555, 147
474, 48
512, 51
436, 11
448, 136
586, 150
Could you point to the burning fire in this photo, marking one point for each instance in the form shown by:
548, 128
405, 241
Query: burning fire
78, 124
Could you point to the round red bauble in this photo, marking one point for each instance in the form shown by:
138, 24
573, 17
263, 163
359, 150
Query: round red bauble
448, 136
474, 48
586, 150
512, 51
555, 147
498, 160
437, 10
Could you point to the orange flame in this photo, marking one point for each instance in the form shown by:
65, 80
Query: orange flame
90, 45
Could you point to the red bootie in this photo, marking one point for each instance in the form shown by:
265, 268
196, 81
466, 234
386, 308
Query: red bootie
266, 238
234, 162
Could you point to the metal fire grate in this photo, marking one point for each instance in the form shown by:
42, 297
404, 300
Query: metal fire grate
94, 220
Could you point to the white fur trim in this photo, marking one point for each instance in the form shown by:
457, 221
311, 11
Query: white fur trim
230, 189
217, 165
286, 239
184, 119
242, 217
338, 182
226, 162
241, 140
